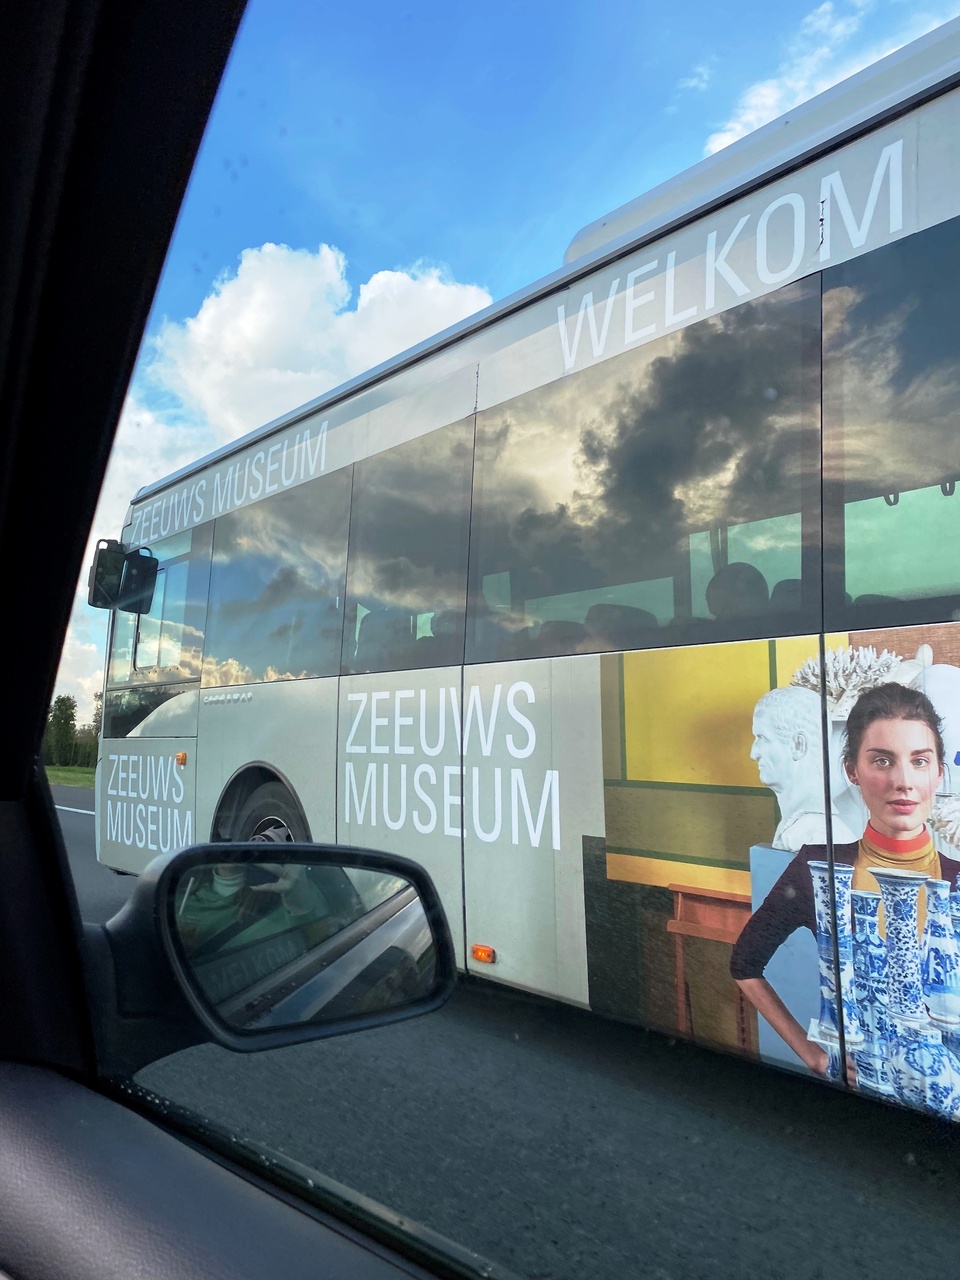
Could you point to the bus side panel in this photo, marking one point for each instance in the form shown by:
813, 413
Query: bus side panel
146, 801
289, 726
690, 833
533, 791
399, 774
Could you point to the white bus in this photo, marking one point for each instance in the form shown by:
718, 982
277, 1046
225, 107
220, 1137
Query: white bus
515, 603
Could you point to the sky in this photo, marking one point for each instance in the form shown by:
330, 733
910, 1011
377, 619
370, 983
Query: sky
375, 172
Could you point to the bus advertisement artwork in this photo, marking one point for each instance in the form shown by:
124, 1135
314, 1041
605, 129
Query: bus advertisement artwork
731, 942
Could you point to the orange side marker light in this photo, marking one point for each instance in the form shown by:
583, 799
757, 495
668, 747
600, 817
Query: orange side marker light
486, 955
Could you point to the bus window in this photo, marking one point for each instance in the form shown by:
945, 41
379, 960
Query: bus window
891, 399
774, 551
276, 585
155, 656
407, 570
124, 637
160, 635
164, 644
664, 496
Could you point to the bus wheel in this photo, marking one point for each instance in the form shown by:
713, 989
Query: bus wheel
270, 813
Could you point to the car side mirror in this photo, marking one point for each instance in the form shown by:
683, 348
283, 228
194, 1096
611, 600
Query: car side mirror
259, 945
274, 943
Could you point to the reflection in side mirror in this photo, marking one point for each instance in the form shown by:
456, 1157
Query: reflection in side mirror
305, 937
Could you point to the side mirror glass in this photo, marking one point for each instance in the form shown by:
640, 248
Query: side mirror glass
284, 939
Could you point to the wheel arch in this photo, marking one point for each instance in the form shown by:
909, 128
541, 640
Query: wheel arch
238, 789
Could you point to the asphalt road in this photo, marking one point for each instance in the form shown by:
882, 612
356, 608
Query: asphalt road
101, 892
559, 1145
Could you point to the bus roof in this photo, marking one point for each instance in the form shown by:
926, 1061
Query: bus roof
900, 80
918, 71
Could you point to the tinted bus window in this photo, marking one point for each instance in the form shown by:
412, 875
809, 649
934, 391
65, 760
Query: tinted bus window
276, 586
666, 496
406, 582
891, 398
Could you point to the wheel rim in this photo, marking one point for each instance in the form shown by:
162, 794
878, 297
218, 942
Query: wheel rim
272, 830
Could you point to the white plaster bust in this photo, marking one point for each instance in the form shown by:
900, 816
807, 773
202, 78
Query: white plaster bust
788, 749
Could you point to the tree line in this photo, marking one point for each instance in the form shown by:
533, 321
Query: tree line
65, 742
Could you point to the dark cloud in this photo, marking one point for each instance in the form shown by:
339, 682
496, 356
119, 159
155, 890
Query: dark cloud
409, 524
891, 375
701, 428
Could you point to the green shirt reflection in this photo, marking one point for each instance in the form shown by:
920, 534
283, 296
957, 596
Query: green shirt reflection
220, 902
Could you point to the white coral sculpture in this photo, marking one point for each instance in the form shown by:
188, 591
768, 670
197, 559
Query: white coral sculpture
945, 819
849, 672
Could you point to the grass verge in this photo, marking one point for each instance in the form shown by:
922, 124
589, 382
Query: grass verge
69, 776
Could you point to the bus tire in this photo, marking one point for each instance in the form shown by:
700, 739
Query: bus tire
271, 813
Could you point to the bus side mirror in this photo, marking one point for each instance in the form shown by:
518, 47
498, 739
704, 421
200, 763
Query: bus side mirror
137, 581
103, 584
121, 579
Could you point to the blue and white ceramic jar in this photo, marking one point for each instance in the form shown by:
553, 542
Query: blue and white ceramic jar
837, 993
955, 911
941, 959
870, 984
901, 891
922, 1070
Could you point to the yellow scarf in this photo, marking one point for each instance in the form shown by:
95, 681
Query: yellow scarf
916, 854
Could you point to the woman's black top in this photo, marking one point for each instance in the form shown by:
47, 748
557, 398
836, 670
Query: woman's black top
789, 906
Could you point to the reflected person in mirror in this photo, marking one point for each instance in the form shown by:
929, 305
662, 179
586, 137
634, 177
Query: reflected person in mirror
894, 753
231, 904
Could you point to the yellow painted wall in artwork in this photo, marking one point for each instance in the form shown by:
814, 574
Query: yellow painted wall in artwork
689, 713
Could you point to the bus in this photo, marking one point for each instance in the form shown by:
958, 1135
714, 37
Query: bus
575, 605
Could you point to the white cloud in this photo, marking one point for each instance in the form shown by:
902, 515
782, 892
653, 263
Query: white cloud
271, 336
280, 332
823, 51
80, 673
699, 78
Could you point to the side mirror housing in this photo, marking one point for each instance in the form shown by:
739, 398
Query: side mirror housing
103, 582
137, 582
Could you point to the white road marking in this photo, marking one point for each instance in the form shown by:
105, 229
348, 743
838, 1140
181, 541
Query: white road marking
66, 809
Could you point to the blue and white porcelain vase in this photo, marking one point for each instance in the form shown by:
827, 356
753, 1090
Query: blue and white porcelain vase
870, 985
920, 1067
836, 989
951, 1038
923, 1071
901, 891
941, 959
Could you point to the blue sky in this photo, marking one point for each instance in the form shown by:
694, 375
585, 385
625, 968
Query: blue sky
412, 162
479, 138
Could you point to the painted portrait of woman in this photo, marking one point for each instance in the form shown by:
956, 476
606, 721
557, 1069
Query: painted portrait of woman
894, 755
